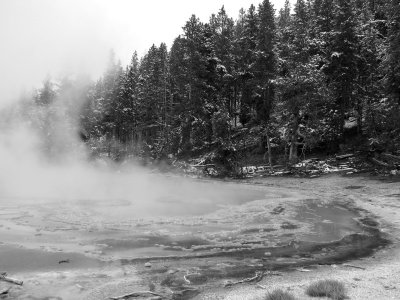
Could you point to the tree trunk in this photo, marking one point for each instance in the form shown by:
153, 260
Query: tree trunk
235, 103
269, 152
293, 157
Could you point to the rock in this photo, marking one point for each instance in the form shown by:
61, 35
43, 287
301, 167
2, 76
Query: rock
288, 225
277, 210
369, 222
147, 265
267, 254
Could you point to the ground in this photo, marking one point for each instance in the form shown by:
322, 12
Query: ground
228, 231
381, 272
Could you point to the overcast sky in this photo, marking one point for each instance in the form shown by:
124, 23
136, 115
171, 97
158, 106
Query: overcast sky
55, 37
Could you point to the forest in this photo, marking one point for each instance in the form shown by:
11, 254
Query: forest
317, 76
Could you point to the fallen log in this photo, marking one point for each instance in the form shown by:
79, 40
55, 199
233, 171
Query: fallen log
380, 163
277, 166
302, 270
203, 166
136, 294
391, 157
11, 280
256, 278
352, 266
340, 157
262, 286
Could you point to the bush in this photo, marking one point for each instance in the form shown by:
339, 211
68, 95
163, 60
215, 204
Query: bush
327, 288
279, 295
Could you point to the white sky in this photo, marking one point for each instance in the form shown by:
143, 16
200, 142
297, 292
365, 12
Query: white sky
55, 37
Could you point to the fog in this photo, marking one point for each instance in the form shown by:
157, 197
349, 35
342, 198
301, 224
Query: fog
60, 37
29, 177
51, 164
57, 38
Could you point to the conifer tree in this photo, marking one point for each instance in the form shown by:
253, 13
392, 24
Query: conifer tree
265, 69
393, 51
248, 44
342, 63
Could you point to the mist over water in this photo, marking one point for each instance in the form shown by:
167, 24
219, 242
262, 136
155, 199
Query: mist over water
42, 157
60, 38
51, 164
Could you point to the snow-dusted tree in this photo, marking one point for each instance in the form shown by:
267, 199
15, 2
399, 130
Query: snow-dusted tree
341, 66
265, 64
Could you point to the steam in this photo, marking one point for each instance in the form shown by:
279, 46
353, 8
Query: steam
74, 37
43, 160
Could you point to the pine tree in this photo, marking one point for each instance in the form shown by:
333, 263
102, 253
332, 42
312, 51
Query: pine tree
131, 105
194, 77
393, 51
301, 86
342, 63
284, 15
247, 62
265, 69
323, 10
47, 94
285, 36
222, 28
369, 89
306, 73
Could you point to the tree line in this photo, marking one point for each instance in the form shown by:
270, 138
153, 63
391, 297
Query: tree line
301, 78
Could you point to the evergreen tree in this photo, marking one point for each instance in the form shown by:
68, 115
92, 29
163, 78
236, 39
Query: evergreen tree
265, 69
305, 73
342, 64
301, 86
222, 28
247, 62
284, 15
369, 89
47, 94
393, 51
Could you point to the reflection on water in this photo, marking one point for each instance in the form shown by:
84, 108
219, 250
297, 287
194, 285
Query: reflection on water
181, 200
15, 259
329, 222
312, 221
